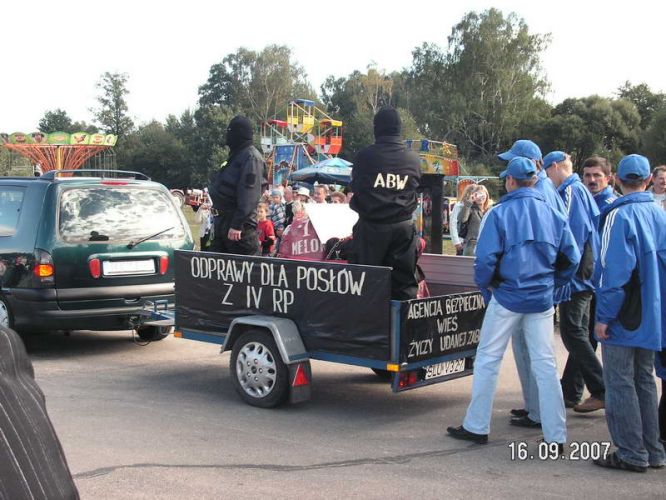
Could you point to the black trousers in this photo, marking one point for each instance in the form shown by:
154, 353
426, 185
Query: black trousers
247, 245
582, 363
391, 245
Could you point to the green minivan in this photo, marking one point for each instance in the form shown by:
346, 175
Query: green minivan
86, 249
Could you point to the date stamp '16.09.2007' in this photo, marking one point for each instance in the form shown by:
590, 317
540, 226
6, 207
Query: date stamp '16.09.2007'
583, 450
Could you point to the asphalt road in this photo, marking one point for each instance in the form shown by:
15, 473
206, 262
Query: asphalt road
163, 421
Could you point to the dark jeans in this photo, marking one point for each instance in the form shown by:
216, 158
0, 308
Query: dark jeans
631, 404
582, 364
391, 245
247, 245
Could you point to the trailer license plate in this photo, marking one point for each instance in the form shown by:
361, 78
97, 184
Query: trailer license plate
445, 368
127, 267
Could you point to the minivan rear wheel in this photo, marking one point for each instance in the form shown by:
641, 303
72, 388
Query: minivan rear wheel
6, 318
153, 333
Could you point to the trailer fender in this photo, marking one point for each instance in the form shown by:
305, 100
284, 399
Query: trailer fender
284, 332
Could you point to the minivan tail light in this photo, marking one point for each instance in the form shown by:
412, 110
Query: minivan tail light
95, 266
44, 270
164, 264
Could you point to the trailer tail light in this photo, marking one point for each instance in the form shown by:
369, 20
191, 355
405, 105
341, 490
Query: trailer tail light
95, 266
44, 270
164, 264
407, 379
300, 378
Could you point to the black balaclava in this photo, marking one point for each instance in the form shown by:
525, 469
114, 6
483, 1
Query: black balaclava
239, 133
387, 122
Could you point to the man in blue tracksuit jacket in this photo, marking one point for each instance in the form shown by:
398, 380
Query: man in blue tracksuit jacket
525, 249
583, 215
529, 416
631, 318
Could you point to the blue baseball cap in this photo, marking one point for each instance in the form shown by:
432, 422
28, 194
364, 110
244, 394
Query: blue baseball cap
633, 167
523, 148
553, 157
520, 168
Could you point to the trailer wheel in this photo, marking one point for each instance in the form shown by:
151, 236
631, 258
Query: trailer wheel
257, 371
153, 333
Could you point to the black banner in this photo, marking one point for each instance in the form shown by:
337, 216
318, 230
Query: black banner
338, 308
440, 325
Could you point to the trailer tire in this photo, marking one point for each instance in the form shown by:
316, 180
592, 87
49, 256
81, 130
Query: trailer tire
257, 371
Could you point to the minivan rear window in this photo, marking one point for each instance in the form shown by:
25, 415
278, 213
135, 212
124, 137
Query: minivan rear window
117, 214
11, 201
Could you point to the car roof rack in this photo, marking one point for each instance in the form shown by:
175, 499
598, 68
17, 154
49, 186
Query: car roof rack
102, 173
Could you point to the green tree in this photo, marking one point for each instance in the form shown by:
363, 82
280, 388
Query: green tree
484, 87
655, 138
112, 113
356, 99
646, 101
256, 84
591, 125
55, 121
158, 153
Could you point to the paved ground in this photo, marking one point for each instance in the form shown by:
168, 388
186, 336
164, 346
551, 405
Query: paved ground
163, 421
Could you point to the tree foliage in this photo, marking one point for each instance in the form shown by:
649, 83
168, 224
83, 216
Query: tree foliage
655, 138
356, 99
55, 121
158, 153
646, 101
484, 87
112, 113
256, 84
591, 125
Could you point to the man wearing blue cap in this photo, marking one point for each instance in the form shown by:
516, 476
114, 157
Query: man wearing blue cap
583, 215
631, 317
525, 248
529, 416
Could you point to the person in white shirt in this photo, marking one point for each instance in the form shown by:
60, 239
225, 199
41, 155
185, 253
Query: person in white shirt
659, 185
457, 241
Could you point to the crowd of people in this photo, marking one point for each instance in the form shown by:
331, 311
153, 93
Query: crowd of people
554, 240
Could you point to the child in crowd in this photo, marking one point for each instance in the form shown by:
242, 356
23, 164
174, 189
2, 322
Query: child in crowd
265, 230
276, 212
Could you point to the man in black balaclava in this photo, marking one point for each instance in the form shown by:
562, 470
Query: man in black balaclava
384, 181
235, 190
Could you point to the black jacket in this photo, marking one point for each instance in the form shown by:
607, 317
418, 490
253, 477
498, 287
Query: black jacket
385, 177
236, 188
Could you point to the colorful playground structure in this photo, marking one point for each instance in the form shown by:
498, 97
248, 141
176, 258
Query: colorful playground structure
57, 150
306, 137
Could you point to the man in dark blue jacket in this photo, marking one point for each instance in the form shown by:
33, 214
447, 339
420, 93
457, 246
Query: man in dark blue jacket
525, 249
583, 215
384, 181
631, 318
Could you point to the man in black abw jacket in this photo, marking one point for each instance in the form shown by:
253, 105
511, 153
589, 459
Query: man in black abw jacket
384, 181
235, 190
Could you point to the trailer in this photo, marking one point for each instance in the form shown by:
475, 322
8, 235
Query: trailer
275, 315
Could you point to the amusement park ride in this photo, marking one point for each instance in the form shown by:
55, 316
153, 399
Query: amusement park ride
306, 137
309, 136
57, 150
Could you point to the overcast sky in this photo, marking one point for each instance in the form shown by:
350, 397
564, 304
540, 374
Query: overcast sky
53, 53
